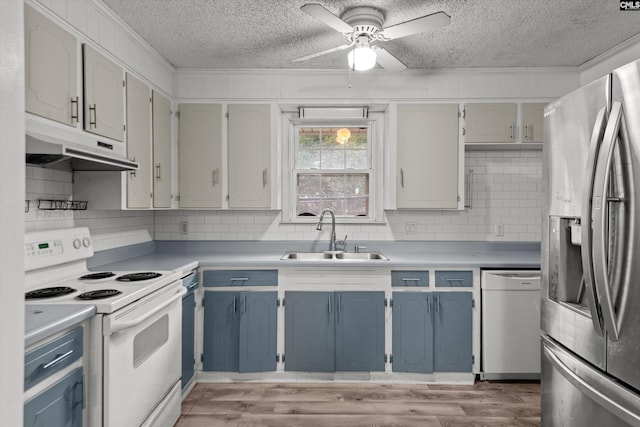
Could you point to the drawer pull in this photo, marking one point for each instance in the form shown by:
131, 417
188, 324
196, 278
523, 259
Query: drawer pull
454, 279
239, 279
410, 279
59, 358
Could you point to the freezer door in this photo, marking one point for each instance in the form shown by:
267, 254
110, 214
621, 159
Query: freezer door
574, 393
623, 284
568, 127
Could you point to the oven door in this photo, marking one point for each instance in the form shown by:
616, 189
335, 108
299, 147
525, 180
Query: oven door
142, 347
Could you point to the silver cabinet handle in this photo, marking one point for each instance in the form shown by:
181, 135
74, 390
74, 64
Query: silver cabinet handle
429, 305
59, 358
437, 303
469, 189
401, 177
329, 305
410, 279
239, 279
95, 116
585, 230
74, 101
234, 303
133, 172
214, 177
158, 172
264, 177
511, 132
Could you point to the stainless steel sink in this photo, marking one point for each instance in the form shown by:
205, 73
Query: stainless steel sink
336, 256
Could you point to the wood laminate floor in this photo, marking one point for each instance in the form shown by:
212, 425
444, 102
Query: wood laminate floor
357, 404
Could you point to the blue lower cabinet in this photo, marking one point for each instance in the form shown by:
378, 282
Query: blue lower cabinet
453, 331
188, 337
432, 331
309, 331
360, 331
334, 331
239, 331
412, 332
60, 405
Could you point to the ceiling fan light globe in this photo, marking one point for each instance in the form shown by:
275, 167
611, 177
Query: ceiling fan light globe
361, 58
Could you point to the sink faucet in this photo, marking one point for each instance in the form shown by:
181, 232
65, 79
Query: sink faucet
332, 240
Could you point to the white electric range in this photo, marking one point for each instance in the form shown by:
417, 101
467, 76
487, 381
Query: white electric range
135, 338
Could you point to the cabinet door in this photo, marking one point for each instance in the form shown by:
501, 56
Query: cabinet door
59, 405
139, 143
428, 159
51, 75
532, 122
250, 156
103, 95
452, 337
162, 167
200, 154
188, 338
412, 332
490, 122
309, 331
359, 331
221, 331
258, 328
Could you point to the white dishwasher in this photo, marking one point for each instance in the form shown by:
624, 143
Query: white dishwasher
510, 324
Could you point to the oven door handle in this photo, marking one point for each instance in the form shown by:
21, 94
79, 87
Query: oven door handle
121, 326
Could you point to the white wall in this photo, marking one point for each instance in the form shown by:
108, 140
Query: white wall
11, 212
507, 191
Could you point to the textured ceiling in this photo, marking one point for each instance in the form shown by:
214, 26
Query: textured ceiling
483, 33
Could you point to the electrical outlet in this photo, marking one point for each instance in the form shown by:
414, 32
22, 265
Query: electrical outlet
184, 227
410, 228
499, 229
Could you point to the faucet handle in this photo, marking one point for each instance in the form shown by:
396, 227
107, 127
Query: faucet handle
343, 242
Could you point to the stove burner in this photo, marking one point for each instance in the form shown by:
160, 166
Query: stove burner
99, 294
96, 276
49, 292
135, 277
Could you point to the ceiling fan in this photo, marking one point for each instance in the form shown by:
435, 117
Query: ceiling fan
362, 26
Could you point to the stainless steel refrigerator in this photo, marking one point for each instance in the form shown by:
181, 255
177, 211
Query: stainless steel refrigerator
591, 255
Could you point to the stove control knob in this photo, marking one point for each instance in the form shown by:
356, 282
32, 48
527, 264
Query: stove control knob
86, 242
77, 243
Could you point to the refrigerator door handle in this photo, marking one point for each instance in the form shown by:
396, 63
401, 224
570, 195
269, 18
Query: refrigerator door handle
585, 229
612, 135
606, 392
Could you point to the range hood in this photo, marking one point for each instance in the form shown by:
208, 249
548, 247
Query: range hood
57, 148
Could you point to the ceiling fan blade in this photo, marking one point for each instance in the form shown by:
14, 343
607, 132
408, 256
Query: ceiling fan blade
387, 60
324, 52
415, 26
320, 13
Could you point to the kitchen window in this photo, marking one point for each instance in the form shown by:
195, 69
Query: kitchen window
334, 166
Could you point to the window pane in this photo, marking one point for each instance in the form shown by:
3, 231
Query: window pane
309, 137
357, 159
309, 159
357, 207
332, 159
356, 185
332, 185
345, 194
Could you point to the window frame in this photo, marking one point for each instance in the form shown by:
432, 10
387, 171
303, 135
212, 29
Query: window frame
374, 123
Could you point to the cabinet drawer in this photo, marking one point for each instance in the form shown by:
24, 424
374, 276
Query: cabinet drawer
410, 278
44, 361
59, 405
454, 279
219, 278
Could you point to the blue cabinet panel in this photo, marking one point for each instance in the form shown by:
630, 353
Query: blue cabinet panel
410, 278
221, 325
60, 405
454, 278
219, 278
412, 332
258, 331
359, 331
188, 338
309, 331
43, 361
453, 332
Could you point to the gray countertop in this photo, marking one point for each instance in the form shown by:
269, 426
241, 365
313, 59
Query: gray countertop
44, 320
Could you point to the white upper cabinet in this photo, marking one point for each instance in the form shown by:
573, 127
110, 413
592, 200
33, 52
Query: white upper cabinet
139, 143
162, 167
51, 77
532, 122
490, 122
428, 160
200, 155
250, 173
103, 92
